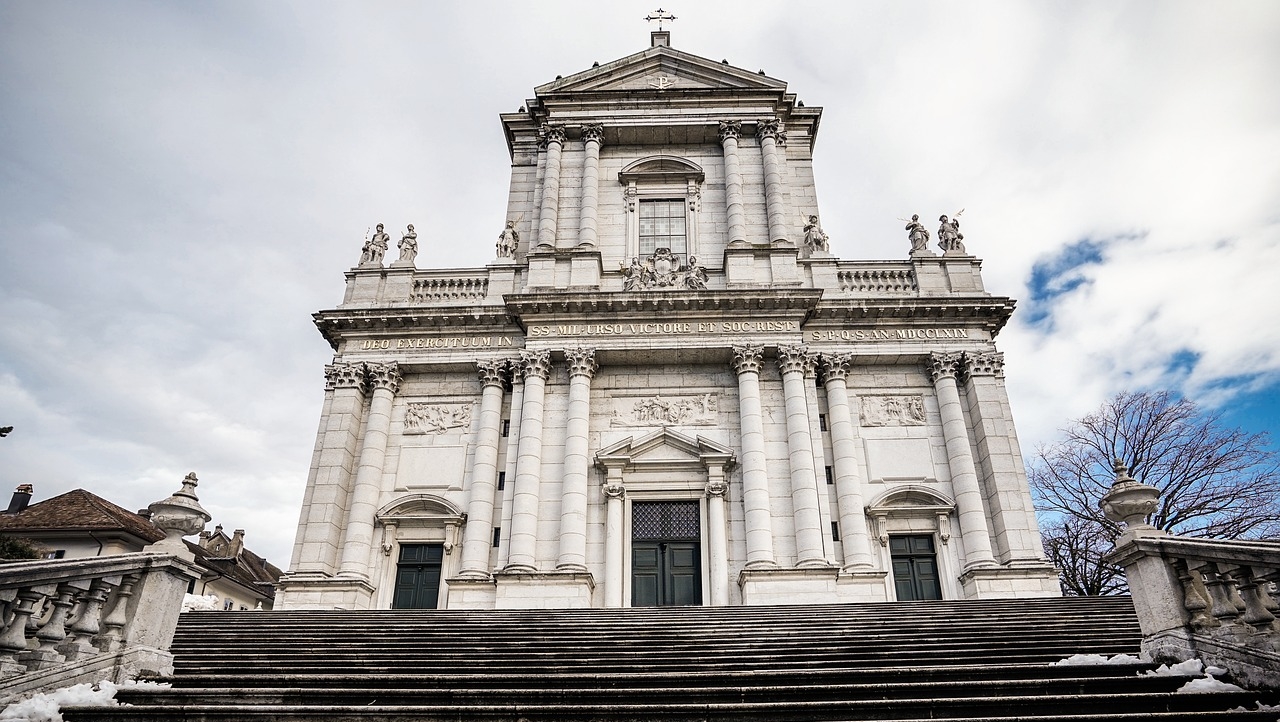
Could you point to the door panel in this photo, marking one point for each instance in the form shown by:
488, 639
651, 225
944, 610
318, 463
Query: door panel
915, 568
418, 576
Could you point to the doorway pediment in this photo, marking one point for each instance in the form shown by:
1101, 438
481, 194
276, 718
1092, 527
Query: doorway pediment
665, 448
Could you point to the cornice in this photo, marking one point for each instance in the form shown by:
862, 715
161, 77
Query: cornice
525, 305
989, 312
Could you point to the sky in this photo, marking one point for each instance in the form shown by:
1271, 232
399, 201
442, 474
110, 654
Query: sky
183, 184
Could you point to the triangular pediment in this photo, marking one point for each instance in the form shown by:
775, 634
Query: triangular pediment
662, 69
664, 447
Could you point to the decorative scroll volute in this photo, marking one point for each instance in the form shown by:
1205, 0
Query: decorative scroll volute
384, 375
613, 489
717, 487
536, 364
944, 364
747, 358
582, 362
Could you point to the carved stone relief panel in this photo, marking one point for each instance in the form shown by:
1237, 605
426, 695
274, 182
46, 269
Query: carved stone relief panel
892, 410
659, 410
420, 418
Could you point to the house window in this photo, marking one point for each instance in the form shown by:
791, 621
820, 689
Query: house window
58, 554
229, 604
662, 225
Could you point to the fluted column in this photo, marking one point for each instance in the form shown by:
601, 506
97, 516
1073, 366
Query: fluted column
384, 380
524, 513
943, 367
593, 136
771, 137
755, 477
792, 361
613, 539
553, 140
730, 131
321, 522
854, 539
477, 537
718, 554
573, 497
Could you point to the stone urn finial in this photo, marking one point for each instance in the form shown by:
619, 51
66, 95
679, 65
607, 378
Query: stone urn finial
178, 516
1129, 501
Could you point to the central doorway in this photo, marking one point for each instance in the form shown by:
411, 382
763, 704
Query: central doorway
666, 554
418, 576
915, 567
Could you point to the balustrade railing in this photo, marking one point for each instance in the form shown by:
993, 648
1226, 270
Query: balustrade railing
881, 279
95, 614
448, 288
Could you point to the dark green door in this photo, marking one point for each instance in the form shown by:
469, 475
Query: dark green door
418, 576
915, 567
665, 554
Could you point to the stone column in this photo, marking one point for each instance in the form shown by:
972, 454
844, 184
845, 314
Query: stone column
477, 538
516, 372
854, 540
771, 137
524, 513
718, 553
324, 505
755, 477
592, 135
573, 497
613, 540
943, 367
730, 130
792, 362
384, 380
553, 140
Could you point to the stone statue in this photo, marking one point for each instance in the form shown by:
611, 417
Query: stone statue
919, 236
814, 239
508, 240
375, 248
950, 239
696, 275
634, 273
408, 247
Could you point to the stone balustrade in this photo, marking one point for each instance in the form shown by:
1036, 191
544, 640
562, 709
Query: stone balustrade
877, 279
83, 620
434, 287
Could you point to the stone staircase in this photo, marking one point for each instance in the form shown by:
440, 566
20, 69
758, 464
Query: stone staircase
979, 660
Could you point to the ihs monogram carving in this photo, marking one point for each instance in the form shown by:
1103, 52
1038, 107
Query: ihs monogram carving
436, 418
892, 411
670, 411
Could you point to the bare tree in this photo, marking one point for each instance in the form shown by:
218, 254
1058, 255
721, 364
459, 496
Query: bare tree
1215, 481
1076, 548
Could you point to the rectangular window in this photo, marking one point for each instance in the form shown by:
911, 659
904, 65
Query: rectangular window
822, 422
502, 480
835, 529
229, 604
497, 535
831, 477
506, 428
662, 225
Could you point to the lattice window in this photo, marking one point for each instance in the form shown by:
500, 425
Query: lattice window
665, 520
662, 225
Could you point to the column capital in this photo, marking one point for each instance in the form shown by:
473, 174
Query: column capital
491, 373
344, 375
613, 489
747, 358
944, 364
385, 375
835, 366
730, 129
536, 363
717, 487
593, 131
772, 128
582, 362
795, 359
549, 134
986, 363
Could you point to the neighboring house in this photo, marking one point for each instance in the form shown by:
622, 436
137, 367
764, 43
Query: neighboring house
81, 524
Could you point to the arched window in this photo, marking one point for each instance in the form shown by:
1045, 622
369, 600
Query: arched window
663, 196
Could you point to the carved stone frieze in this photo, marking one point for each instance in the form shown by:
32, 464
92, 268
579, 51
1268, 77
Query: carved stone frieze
730, 129
892, 410
747, 358
665, 411
536, 363
988, 363
944, 364
385, 375
422, 418
582, 362
661, 270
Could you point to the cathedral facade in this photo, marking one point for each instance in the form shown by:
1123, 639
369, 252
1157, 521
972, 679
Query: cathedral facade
665, 389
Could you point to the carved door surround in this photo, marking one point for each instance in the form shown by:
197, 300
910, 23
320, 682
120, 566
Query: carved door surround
417, 519
666, 465
661, 177
914, 509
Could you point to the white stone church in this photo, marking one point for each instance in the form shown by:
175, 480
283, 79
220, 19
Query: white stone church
665, 389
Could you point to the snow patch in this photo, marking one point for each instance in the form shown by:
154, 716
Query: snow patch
1086, 660
47, 706
1207, 684
197, 603
1260, 708
1189, 668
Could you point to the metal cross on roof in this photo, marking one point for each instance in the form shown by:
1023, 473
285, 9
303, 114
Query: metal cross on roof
660, 15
